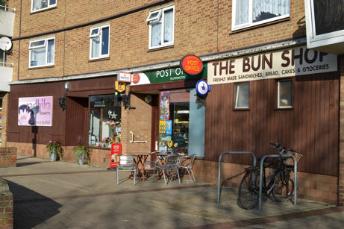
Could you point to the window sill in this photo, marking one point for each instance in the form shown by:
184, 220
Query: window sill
44, 9
99, 59
43, 66
241, 109
251, 27
284, 108
160, 48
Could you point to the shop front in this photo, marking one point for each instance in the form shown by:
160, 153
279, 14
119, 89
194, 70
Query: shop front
178, 119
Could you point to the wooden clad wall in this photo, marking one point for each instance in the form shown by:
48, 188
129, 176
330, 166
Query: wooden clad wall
25, 134
310, 127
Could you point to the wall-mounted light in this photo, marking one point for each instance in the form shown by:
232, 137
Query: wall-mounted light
66, 86
62, 103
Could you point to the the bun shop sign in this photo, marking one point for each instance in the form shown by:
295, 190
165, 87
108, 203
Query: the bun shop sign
278, 64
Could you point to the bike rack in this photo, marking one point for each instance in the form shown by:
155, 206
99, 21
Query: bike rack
254, 162
261, 176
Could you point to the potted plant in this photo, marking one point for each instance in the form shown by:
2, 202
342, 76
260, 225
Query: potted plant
81, 153
55, 150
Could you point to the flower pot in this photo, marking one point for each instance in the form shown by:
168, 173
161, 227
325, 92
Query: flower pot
53, 156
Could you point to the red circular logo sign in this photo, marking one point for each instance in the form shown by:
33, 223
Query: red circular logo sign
191, 65
136, 78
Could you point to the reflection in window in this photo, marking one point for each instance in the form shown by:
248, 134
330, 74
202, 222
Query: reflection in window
99, 42
42, 52
284, 95
38, 5
242, 91
105, 121
250, 12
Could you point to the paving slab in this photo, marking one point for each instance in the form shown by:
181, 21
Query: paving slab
66, 195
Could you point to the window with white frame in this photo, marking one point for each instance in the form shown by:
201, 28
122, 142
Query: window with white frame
253, 12
42, 52
38, 5
161, 27
284, 94
99, 42
242, 93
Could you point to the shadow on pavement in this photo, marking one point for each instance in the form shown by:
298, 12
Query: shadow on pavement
21, 164
31, 208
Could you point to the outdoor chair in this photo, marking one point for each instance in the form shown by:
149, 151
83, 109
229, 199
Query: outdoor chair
126, 164
186, 166
169, 168
150, 165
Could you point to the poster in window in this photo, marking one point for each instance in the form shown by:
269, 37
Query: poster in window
35, 111
164, 106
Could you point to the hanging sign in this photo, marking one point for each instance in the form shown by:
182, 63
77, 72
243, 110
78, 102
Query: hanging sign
120, 86
202, 88
124, 77
192, 65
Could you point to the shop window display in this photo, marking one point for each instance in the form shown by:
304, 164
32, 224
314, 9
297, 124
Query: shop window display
105, 121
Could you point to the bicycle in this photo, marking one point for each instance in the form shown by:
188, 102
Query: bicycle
276, 186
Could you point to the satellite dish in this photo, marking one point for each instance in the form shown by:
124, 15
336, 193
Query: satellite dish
5, 43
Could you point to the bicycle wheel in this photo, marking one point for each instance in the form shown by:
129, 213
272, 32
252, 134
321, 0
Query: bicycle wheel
283, 187
248, 195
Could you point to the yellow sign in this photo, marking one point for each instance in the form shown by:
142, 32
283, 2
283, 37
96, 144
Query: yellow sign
120, 86
162, 127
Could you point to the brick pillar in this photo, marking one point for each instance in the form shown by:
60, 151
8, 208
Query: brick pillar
6, 206
341, 134
8, 157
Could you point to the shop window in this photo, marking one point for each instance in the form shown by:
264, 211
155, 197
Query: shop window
161, 27
42, 52
242, 93
99, 42
248, 13
284, 94
105, 121
181, 122
38, 5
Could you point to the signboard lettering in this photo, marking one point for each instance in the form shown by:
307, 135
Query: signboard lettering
278, 64
35, 111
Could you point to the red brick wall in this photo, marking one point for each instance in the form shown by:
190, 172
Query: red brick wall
341, 135
6, 206
8, 157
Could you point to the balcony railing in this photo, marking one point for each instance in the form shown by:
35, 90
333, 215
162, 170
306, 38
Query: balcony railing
6, 21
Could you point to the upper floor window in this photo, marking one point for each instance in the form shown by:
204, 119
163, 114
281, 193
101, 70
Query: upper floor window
161, 27
99, 42
38, 5
248, 13
42, 52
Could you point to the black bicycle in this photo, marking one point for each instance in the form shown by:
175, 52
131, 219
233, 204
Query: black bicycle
277, 182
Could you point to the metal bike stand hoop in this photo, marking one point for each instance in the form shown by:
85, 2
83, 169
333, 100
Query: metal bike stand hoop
261, 176
254, 162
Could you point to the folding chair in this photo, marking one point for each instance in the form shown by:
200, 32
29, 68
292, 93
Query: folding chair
126, 164
171, 165
187, 166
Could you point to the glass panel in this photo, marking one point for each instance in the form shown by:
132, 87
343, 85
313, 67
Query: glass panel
44, 3
36, 4
95, 50
154, 16
52, 2
241, 12
2, 56
105, 121
196, 125
51, 51
37, 43
285, 93
155, 34
95, 32
242, 95
328, 15
266, 9
38, 57
168, 26
105, 41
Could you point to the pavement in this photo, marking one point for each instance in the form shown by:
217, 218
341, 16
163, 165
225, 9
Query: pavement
66, 195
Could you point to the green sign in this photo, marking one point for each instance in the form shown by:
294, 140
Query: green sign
164, 76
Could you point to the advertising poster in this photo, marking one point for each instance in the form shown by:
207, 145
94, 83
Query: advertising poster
35, 111
164, 106
169, 127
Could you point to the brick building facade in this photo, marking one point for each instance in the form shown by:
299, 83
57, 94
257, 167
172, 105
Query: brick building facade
207, 29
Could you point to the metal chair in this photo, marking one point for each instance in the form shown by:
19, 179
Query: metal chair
127, 164
187, 165
170, 165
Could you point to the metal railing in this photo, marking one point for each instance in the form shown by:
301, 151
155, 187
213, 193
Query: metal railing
6, 8
254, 162
261, 166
